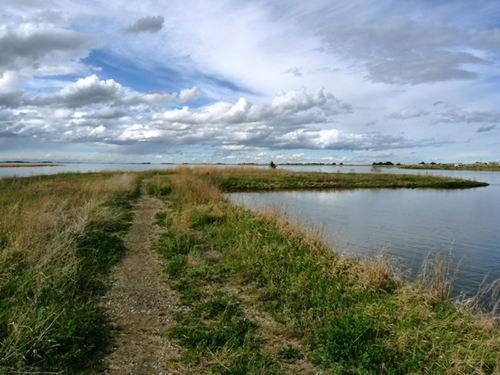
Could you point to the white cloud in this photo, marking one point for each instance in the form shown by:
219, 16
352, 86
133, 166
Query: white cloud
93, 91
250, 86
292, 103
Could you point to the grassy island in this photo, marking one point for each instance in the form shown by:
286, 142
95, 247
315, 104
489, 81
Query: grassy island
255, 294
254, 179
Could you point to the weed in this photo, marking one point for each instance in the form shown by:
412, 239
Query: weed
290, 353
161, 218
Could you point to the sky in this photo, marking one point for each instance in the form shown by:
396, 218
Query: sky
250, 81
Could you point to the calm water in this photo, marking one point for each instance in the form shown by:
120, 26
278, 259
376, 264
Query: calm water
411, 223
35, 171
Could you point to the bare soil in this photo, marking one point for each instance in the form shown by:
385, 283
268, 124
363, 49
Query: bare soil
139, 303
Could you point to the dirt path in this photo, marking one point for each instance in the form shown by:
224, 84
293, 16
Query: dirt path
139, 303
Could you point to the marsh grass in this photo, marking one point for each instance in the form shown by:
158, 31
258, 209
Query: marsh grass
351, 316
257, 179
57, 241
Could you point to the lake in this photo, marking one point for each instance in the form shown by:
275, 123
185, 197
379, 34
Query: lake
411, 224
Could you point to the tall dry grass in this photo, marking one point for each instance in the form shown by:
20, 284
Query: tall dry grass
41, 221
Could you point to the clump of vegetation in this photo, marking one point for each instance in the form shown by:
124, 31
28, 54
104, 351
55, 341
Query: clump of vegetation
348, 316
58, 240
255, 179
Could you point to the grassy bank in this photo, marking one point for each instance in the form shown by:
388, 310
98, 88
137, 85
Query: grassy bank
330, 312
258, 179
58, 237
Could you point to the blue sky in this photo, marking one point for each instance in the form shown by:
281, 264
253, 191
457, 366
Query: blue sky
250, 81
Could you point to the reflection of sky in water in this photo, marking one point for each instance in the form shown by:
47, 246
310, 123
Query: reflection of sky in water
411, 223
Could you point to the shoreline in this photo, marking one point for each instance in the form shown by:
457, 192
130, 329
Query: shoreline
21, 165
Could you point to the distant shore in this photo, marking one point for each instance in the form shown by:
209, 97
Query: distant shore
18, 165
453, 167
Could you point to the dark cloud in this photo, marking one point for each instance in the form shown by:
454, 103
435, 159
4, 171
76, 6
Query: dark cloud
107, 114
30, 46
458, 116
146, 24
484, 129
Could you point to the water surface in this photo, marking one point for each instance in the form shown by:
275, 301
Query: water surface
411, 224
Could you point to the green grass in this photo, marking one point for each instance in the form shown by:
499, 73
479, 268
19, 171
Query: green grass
242, 180
60, 238
351, 317
60, 234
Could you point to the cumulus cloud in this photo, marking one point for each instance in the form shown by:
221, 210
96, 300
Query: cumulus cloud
92, 91
146, 24
405, 51
10, 94
296, 105
285, 123
84, 92
33, 46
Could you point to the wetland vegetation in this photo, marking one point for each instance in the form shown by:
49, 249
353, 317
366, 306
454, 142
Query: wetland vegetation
255, 179
58, 237
234, 271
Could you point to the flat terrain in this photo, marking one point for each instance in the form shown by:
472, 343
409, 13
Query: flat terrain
139, 304
20, 165
96, 277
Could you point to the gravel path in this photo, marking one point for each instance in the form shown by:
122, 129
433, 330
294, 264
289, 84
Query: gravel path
139, 303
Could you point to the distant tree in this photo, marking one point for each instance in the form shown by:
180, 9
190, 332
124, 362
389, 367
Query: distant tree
272, 165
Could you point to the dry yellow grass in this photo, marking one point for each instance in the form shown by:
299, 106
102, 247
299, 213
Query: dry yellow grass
41, 220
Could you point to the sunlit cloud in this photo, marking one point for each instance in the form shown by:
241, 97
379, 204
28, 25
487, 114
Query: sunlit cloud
248, 81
